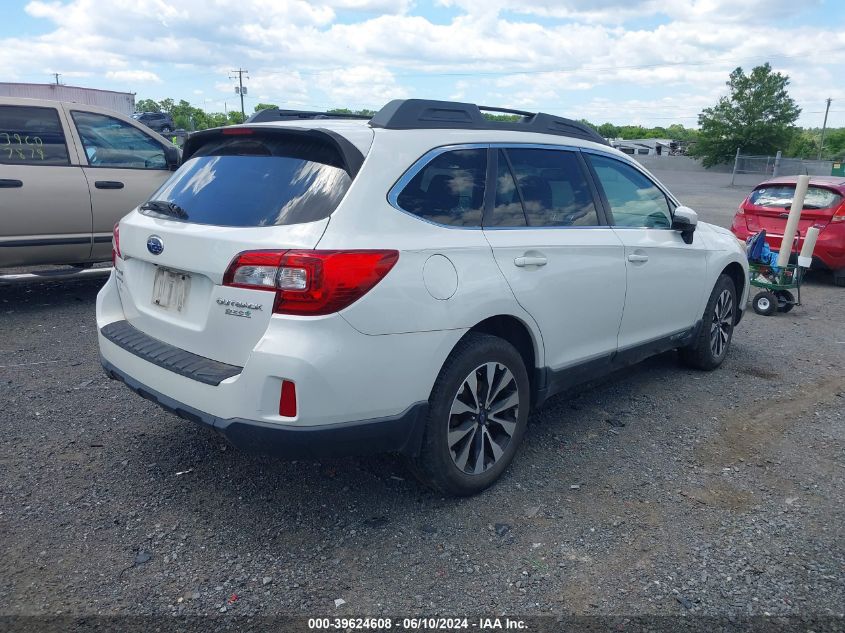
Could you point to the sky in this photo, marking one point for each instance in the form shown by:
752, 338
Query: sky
648, 62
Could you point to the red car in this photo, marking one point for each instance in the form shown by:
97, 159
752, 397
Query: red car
767, 207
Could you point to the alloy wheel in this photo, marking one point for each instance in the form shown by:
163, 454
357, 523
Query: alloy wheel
483, 418
720, 328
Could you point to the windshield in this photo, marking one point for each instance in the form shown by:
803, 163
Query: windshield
256, 182
780, 196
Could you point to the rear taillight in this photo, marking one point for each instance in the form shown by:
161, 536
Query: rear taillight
115, 244
310, 283
839, 215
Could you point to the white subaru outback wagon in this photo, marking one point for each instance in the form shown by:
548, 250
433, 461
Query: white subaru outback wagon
415, 282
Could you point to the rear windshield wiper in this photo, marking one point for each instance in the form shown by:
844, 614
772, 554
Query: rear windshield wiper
165, 208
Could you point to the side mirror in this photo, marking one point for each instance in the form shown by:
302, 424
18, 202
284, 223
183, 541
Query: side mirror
685, 221
173, 156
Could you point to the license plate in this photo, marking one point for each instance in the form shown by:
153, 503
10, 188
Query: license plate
170, 289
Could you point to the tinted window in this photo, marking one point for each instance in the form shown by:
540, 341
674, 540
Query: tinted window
780, 196
634, 200
258, 182
507, 209
110, 142
553, 188
31, 136
449, 189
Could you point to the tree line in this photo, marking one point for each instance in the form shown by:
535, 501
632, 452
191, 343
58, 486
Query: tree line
757, 116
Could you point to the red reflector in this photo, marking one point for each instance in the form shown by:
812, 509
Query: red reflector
238, 131
287, 400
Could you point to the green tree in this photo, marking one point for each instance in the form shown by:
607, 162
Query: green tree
265, 106
834, 144
758, 117
608, 130
147, 105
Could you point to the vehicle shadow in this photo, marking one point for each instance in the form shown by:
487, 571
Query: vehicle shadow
43, 296
262, 497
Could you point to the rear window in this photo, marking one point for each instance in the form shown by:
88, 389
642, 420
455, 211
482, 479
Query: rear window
265, 181
780, 196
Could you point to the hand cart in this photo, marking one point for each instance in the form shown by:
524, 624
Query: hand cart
776, 295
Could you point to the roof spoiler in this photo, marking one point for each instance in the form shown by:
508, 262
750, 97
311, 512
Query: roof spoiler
351, 156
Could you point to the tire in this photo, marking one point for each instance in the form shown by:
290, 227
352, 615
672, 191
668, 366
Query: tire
765, 303
839, 277
710, 347
471, 463
786, 301
165, 130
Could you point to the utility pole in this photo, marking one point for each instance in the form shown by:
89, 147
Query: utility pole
56, 75
240, 72
824, 127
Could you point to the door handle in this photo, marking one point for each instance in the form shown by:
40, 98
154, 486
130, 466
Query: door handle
529, 260
108, 184
633, 257
10, 183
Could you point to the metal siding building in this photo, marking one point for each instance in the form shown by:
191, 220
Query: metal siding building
123, 102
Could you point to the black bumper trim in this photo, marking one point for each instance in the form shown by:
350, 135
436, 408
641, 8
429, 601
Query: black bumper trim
400, 434
167, 356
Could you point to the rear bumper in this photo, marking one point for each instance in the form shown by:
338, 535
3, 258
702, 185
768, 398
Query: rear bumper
401, 433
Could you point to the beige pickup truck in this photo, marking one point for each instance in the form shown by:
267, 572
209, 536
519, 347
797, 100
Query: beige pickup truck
68, 173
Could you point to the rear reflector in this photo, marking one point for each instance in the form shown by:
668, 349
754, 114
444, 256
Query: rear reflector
311, 283
287, 399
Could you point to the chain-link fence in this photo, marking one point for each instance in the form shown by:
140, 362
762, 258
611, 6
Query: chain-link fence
773, 166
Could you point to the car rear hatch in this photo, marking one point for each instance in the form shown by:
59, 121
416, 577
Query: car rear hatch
768, 208
239, 189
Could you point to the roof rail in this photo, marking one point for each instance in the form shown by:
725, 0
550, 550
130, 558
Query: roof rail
275, 114
416, 114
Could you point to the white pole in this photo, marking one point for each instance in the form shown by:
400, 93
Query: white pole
792, 221
805, 259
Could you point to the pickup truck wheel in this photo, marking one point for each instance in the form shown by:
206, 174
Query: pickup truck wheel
478, 411
710, 347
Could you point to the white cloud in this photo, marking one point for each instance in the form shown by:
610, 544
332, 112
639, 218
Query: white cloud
133, 75
559, 55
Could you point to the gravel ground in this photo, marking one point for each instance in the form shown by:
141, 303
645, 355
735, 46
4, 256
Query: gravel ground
657, 491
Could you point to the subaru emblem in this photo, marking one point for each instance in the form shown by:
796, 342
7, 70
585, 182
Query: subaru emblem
155, 245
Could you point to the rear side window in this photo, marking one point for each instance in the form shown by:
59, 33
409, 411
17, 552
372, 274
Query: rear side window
449, 189
31, 136
258, 181
780, 196
548, 185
